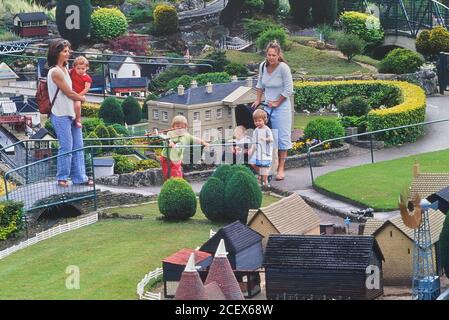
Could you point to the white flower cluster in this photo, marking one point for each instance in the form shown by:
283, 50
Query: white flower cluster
372, 23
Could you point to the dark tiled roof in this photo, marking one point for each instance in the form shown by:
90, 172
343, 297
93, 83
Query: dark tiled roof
26, 107
116, 62
19, 98
442, 197
41, 133
236, 235
182, 256
31, 16
199, 95
321, 252
129, 83
221, 272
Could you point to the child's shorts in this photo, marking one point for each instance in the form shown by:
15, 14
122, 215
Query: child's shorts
175, 168
264, 167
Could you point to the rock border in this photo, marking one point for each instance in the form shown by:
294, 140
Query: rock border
153, 177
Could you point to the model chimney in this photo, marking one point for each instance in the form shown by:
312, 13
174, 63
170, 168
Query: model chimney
194, 84
209, 87
180, 90
249, 82
234, 78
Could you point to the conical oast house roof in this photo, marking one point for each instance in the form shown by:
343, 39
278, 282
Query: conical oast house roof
190, 286
221, 272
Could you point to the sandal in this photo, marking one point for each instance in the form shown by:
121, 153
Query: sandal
280, 178
89, 183
63, 183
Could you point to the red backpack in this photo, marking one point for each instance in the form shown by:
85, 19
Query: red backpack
42, 97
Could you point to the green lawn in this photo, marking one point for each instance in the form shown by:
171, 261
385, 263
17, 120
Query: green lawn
302, 58
113, 255
379, 185
301, 120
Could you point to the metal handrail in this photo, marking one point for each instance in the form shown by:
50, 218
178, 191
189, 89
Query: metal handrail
370, 133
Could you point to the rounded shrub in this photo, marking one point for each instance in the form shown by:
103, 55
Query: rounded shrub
177, 201
236, 69
439, 40
165, 18
89, 124
423, 44
350, 45
111, 111
222, 172
239, 168
324, 129
123, 164
401, 61
444, 246
242, 193
108, 24
131, 110
271, 35
354, 106
211, 199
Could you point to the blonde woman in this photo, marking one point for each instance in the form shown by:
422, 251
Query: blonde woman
275, 81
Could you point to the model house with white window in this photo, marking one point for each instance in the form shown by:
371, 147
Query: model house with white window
124, 77
209, 109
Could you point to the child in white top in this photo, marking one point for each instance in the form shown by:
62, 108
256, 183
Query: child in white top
262, 146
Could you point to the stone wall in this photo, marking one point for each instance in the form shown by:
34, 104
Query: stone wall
153, 177
427, 79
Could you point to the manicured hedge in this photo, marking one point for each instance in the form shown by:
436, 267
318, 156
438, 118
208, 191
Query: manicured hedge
404, 103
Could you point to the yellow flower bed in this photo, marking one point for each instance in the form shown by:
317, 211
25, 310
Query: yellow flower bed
410, 110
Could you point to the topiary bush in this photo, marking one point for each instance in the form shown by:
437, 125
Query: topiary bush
350, 45
354, 106
177, 201
165, 18
439, 40
131, 110
120, 129
242, 193
423, 44
108, 23
444, 246
237, 69
111, 111
323, 129
271, 35
400, 61
212, 202
69, 28
227, 182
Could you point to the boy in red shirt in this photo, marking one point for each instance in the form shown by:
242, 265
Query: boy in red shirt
81, 83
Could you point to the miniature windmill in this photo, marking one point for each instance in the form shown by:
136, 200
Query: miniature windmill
414, 213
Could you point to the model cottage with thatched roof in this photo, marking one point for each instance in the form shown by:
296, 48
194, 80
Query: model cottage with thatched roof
290, 215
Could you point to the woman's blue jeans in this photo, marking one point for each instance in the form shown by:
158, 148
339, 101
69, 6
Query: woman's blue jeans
70, 138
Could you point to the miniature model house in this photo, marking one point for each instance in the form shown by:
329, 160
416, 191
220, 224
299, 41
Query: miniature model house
31, 24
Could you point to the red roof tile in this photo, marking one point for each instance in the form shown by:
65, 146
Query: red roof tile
221, 272
213, 292
190, 287
182, 256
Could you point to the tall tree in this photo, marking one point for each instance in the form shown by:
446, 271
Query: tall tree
324, 11
301, 11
